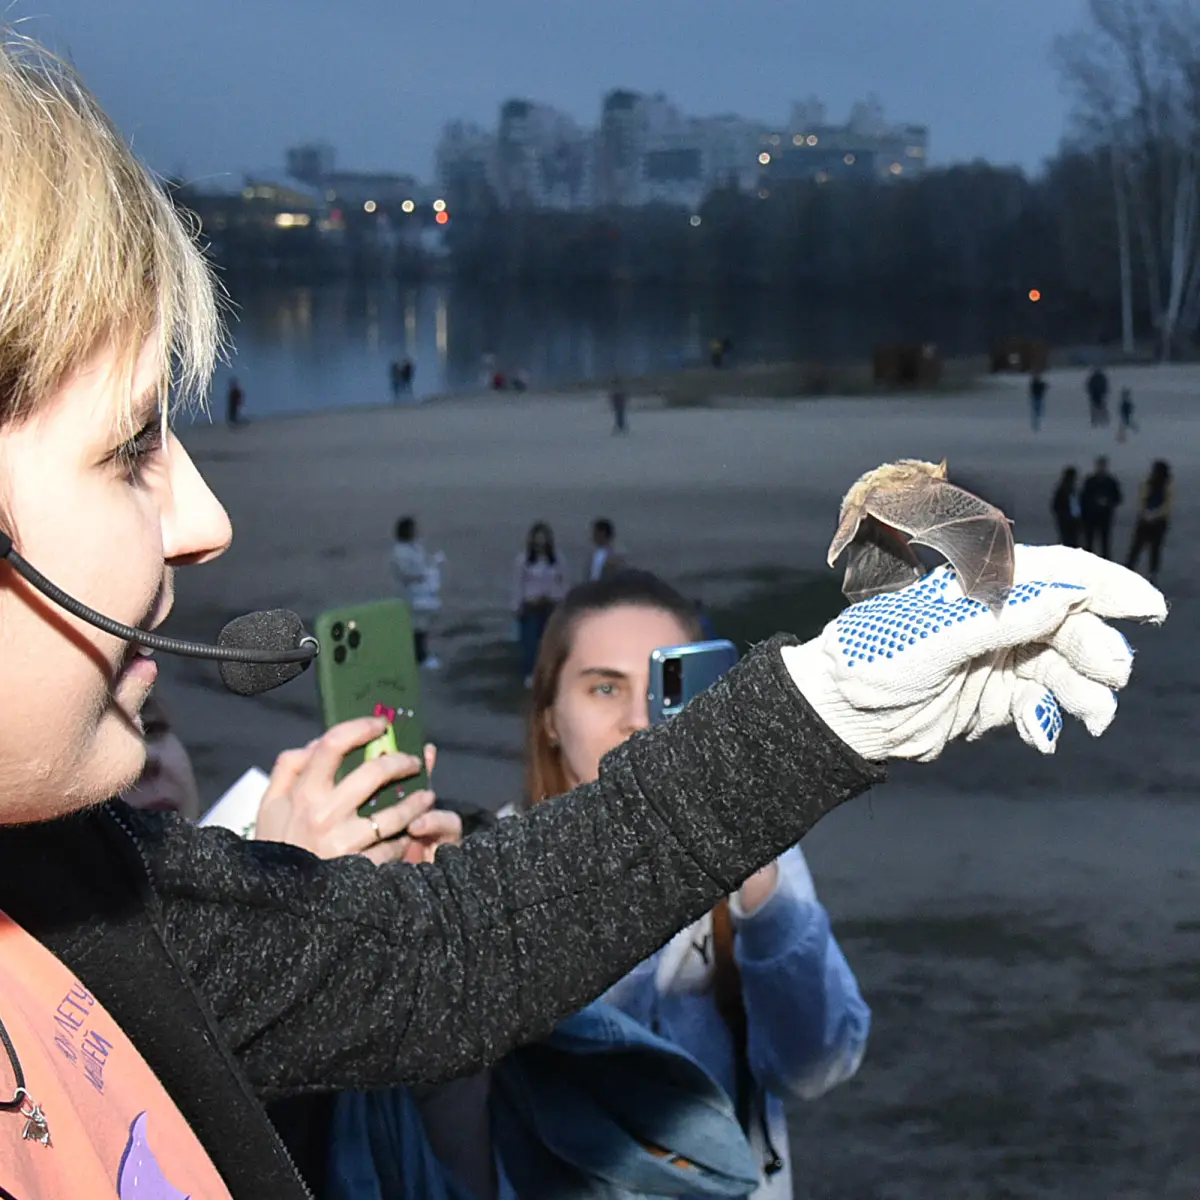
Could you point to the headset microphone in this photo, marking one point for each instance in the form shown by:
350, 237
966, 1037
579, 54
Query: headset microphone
256, 652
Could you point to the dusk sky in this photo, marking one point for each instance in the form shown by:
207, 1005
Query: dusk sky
216, 87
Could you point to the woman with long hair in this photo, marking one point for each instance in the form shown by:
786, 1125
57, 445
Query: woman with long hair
539, 583
757, 990
1154, 515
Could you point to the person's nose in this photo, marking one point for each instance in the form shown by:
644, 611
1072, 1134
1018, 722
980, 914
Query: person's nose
637, 712
195, 525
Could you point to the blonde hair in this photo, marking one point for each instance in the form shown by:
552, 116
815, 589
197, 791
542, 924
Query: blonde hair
94, 256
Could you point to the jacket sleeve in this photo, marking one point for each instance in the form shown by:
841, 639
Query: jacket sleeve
807, 1021
340, 974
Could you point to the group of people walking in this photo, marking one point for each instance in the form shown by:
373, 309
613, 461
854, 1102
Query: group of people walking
1084, 513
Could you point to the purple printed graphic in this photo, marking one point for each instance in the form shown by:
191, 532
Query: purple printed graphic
140, 1176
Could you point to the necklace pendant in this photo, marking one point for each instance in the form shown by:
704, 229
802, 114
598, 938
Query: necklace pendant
37, 1128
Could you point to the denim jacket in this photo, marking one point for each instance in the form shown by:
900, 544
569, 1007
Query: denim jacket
571, 1117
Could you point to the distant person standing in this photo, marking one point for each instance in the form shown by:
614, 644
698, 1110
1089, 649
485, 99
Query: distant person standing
234, 399
1097, 393
606, 562
1125, 421
1037, 400
1098, 502
540, 582
1065, 506
1154, 514
396, 375
418, 576
619, 399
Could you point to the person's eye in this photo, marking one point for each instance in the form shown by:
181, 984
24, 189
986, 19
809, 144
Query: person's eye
605, 689
135, 455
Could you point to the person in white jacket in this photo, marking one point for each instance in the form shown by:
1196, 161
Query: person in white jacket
757, 990
418, 576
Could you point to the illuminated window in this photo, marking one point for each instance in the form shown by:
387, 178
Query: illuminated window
764, 158
408, 206
292, 220
370, 206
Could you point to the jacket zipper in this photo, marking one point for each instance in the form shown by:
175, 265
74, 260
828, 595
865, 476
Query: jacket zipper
279, 1142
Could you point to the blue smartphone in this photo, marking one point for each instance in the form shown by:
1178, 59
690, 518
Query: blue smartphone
680, 673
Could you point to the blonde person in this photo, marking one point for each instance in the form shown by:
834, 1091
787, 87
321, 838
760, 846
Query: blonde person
159, 982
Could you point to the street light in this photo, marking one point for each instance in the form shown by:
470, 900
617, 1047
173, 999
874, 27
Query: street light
408, 206
695, 221
439, 206
369, 206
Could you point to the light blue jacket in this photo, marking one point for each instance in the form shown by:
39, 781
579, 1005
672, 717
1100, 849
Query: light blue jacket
807, 1022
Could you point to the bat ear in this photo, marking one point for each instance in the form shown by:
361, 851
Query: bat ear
942, 470
847, 528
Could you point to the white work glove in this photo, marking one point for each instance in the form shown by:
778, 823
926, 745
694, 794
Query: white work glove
902, 674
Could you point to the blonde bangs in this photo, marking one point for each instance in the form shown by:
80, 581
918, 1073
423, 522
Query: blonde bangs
94, 256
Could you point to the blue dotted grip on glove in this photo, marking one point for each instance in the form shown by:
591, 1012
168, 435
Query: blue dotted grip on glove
886, 625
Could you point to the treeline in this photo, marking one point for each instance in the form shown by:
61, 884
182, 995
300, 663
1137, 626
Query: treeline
965, 232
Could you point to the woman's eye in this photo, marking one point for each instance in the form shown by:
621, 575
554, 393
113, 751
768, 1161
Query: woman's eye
604, 689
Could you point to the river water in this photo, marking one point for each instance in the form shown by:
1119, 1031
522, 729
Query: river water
304, 349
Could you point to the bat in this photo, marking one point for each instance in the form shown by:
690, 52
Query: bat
916, 499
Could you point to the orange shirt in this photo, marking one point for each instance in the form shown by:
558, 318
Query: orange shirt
114, 1131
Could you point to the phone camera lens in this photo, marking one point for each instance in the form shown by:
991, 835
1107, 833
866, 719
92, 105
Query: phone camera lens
339, 654
337, 632
354, 638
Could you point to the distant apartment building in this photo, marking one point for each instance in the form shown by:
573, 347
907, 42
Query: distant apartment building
543, 158
466, 166
865, 147
649, 152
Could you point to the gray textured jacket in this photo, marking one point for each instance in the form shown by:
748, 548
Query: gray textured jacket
247, 971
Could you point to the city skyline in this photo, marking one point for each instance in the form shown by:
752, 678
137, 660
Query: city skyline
215, 89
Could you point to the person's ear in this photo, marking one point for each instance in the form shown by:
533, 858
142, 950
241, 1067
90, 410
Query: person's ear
551, 729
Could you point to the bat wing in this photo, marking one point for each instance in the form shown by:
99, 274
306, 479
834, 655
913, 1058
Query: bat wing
975, 537
880, 560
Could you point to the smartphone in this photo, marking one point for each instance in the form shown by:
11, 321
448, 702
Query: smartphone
680, 673
368, 667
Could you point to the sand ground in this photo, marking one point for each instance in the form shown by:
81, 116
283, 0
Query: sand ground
1027, 930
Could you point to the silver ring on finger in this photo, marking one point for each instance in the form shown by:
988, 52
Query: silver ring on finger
375, 827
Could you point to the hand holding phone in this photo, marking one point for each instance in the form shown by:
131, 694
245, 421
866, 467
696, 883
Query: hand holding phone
368, 668
680, 673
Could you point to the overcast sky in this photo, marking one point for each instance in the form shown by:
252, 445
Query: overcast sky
215, 87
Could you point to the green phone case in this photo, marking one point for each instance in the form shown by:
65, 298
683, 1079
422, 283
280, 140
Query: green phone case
367, 666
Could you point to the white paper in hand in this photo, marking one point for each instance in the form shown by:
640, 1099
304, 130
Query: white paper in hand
237, 809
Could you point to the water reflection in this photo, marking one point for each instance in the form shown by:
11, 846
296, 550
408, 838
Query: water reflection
305, 348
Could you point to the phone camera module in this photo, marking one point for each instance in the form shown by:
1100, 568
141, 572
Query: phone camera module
672, 676
337, 631
354, 639
339, 654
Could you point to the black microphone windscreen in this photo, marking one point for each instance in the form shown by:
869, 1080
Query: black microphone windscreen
277, 629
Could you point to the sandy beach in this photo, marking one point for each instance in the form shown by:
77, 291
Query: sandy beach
1027, 930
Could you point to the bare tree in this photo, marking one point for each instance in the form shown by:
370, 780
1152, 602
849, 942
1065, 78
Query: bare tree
1135, 76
